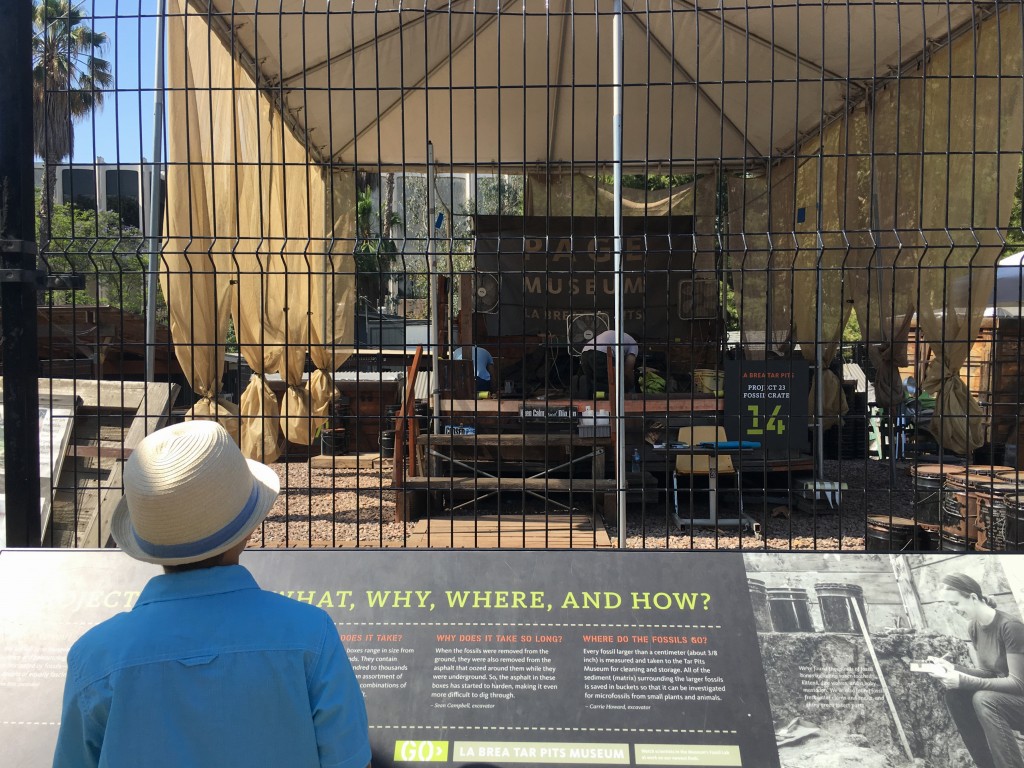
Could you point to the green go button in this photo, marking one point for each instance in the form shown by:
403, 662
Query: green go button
421, 752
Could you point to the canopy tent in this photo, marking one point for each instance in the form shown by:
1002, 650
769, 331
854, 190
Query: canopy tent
527, 82
870, 148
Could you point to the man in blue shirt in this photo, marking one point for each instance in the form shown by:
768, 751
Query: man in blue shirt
207, 669
483, 365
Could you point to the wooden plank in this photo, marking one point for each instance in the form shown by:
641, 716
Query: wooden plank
635, 404
153, 411
115, 395
510, 532
410, 387
56, 425
908, 591
349, 461
496, 440
116, 452
540, 484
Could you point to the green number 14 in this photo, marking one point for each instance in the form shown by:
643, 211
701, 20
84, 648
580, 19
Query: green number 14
774, 423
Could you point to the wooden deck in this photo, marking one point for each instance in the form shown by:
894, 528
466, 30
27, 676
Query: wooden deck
533, 531
635, 404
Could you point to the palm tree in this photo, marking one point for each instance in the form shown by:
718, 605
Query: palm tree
67, 82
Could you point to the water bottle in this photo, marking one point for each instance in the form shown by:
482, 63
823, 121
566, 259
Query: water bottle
636, 460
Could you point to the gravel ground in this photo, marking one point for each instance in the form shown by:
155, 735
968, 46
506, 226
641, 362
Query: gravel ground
348, 508
337, 508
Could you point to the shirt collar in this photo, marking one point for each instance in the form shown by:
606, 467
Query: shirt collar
199, 583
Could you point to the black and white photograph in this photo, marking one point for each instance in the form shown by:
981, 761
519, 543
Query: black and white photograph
890, 659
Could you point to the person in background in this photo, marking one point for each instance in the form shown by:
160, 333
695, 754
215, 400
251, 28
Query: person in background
207, 670
986, 701
594, 360
483, 366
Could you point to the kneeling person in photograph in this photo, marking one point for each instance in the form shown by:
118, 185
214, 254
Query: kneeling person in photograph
986, 701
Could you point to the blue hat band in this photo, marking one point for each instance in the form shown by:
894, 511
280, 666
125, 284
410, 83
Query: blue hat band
207, 544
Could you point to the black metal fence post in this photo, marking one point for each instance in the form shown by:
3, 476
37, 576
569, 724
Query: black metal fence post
18, 279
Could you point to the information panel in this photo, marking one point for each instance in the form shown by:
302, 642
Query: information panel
554, 658
766, 402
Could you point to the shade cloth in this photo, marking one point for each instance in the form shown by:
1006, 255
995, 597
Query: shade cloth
248, 221
901, 190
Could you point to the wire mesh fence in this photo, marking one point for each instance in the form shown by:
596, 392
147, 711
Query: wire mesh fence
649, 275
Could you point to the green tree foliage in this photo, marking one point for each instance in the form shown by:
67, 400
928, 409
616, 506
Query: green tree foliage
109, 255
453, 244
1015, 234
498, 195
649, 182
375, 251
68, 78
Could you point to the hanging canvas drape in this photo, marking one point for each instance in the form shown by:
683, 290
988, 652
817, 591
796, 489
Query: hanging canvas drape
912, 190
252, 239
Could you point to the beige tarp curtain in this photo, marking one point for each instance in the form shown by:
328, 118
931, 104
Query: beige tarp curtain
966, 199
195, 272
881, 280
764, 305
909, 236
818, 262
779, 251
248, 218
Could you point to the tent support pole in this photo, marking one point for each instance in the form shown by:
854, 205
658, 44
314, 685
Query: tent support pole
155, 195
435, 318
620, 369
819, 341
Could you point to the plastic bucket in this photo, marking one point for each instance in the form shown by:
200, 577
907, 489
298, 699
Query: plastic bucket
389, 417
959, 513
1004, 525
950, 543
928, 480
334, 442
836, 602
789, 610
423, 412
992, 515
709, 381
387, 443
896, 534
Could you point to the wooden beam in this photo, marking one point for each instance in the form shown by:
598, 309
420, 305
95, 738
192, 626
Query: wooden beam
153, 412
116, 452
908, 591
467, 320
676, 404
407, 409
112, 395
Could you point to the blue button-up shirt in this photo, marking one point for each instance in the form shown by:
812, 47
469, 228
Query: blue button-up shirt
210, 670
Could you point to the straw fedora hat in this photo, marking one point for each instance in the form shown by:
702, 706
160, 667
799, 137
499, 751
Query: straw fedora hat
189, 494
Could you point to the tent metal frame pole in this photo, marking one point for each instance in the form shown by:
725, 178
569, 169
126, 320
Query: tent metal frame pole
155, 194
819, 332
620, 370
432, 277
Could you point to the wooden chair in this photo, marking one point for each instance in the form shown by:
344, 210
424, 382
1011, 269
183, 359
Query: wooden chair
709, 466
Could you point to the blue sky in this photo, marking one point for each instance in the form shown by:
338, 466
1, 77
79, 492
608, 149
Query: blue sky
122, 129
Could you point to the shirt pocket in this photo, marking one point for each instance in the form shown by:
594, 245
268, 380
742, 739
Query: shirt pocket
197, 661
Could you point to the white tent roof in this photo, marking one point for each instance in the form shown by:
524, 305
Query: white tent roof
529, 81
